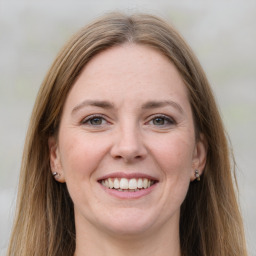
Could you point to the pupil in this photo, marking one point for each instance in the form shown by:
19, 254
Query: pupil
158, 121
96, 121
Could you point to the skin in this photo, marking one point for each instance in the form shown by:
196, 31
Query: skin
128, 134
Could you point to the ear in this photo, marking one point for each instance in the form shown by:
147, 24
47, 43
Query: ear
55, 161
199, 156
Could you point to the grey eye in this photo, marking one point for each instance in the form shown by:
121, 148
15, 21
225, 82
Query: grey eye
96, 121
159, 121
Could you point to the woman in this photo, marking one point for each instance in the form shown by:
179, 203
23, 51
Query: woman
126, 152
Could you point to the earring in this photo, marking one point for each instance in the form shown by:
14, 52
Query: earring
197, 175
55, 174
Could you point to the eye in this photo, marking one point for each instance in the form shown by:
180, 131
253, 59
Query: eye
161, 120
94, 120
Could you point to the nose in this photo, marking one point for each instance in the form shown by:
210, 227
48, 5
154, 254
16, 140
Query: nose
128, 145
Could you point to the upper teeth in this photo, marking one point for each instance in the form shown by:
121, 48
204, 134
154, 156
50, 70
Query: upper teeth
124, 183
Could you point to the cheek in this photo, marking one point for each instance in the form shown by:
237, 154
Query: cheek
175, 154
80, 155
174, 157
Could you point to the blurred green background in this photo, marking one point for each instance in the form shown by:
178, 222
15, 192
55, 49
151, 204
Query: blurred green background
221, 33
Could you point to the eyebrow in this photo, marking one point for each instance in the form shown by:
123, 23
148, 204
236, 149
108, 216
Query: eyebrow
108, 105
94, 103
159, 104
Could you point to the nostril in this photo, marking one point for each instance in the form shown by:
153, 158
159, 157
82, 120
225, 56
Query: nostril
128, 157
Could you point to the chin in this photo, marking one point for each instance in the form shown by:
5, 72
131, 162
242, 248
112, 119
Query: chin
126, 230
129, 223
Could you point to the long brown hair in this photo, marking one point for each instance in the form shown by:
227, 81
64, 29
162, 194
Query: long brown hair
210, 222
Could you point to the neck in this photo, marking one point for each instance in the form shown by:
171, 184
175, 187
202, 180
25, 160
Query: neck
164, 242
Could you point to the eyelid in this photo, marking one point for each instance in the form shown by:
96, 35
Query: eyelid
86, 119
167, 118
171, 120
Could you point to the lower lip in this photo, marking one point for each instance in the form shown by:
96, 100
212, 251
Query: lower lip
129, 195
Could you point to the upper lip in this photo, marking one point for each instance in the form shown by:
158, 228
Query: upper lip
120, 175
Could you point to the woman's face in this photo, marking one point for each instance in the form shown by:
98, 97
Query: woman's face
126, 146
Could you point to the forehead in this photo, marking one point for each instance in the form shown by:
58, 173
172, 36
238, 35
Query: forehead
129, 71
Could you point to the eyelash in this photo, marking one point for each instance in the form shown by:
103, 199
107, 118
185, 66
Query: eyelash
167, 120
87, 120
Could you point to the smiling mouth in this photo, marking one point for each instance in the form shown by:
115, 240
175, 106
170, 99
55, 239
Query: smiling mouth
127, 185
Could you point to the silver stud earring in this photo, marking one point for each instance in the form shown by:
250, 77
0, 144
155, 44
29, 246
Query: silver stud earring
197, 175
55, 174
